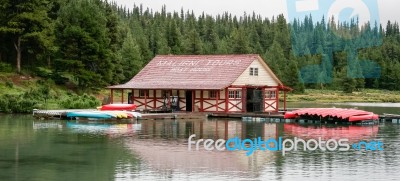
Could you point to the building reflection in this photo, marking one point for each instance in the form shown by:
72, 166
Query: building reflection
174, 129
207, 129
162, 146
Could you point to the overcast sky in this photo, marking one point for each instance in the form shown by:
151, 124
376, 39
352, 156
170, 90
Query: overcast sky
388, 9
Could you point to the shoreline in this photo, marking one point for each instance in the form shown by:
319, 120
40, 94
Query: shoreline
334, 96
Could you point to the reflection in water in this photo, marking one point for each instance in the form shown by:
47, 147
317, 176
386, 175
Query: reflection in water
206, 129
351, 132
113, 130
164, 148
157, 150
47, 125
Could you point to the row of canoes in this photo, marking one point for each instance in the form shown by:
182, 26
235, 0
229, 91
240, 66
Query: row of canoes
109, 111
350, 115
103, 114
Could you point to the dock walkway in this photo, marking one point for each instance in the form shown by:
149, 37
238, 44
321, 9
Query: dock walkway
394, 118
60, 113
273, 117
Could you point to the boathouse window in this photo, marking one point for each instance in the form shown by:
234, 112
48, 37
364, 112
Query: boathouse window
253, 71
269, 94
231, 94
212, 94
238, 94
143, 93
235, 94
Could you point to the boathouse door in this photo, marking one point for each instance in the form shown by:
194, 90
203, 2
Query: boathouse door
189, 100
254, 100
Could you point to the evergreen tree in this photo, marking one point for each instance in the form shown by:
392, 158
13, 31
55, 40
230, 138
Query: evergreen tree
275, 58
240, 41
193, 43
348, 84
26, 21
131, 57
293, 78
84, 46
174, 38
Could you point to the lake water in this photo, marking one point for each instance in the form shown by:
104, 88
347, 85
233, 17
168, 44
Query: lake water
157, 150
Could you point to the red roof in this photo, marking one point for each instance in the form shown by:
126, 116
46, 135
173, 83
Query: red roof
212, 72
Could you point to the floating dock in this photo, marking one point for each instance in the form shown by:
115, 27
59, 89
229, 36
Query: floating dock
62, 114
55, 114
394, 118
257, 117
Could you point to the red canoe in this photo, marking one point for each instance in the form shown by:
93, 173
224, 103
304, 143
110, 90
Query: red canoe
338, 113
363, 117
125, 107
290, 115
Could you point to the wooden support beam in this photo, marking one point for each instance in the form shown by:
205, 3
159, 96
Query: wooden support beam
193, 99
277, 99
112, 96
226, 100
169, 98
244, 94
217, 103
201, 101
264, 100
145, 99
284, 100
132, 96
154, 99
122, 96
179, 99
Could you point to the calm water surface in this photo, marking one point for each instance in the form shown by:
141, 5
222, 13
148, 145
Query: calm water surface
157, 150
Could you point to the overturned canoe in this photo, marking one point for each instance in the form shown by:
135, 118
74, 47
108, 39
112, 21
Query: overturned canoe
290, 115
89, 114
363, 117
118, 107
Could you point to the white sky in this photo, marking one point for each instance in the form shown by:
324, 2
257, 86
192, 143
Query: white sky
388, 9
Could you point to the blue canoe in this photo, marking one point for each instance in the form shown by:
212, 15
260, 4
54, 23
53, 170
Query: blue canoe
89, 114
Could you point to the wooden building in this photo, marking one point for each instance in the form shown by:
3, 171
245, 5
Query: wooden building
205, 83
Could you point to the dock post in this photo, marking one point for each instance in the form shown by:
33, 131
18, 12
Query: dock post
122, 96
112, 96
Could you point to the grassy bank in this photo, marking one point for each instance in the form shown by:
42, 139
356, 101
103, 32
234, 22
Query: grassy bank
326, 96
21, 94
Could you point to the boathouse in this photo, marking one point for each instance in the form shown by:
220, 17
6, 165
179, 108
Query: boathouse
204, 83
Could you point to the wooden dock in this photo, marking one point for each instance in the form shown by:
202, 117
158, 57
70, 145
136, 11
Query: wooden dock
241, 115
394, 118
55, 114
267, 117
62, 114
173, 115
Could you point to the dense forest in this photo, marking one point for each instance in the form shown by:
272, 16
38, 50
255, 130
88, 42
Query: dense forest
92, 43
